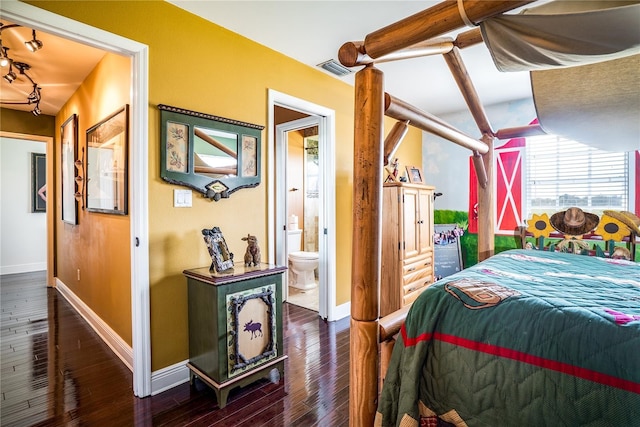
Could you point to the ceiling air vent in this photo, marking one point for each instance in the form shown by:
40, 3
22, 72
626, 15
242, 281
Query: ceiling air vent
334, 67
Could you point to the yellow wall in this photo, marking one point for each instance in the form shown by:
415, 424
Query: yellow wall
99, 245
226, 75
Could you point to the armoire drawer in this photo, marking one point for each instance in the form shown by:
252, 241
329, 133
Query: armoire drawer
417, 263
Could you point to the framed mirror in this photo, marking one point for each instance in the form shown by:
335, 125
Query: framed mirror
107, 147
210, 154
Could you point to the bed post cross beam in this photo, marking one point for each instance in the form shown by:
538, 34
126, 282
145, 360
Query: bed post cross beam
433, 22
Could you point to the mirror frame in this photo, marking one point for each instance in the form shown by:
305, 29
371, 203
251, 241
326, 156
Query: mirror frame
249, 152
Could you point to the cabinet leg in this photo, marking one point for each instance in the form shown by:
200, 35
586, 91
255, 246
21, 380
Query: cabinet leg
222, 396
275, 375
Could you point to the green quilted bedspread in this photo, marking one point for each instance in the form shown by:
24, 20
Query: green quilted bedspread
525, 338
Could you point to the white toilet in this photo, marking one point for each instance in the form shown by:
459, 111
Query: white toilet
302, 264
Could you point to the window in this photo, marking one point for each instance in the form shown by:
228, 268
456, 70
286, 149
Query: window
561, 173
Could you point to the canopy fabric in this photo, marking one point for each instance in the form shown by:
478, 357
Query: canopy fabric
584, 61
563, 34
596, 104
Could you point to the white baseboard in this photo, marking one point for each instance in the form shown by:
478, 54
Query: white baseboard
161, 380
108, 335
342, 311
169, 377
23, 268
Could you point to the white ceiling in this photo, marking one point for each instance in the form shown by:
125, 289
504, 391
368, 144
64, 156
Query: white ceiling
308, 31
313, 31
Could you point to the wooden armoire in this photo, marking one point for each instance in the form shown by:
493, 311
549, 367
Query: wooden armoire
407, 244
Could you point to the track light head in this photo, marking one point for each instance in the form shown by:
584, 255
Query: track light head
36, 111
34, 96
33, 44
10, 76
4, 59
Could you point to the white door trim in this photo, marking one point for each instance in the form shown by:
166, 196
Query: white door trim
327, 224
282, 249
40, 19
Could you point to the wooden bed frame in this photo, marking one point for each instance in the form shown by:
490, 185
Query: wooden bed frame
371, 336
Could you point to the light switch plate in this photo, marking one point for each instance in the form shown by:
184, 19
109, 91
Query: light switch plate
182, 198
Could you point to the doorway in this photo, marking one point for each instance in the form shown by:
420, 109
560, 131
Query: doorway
309, 116
297, 142
42, 20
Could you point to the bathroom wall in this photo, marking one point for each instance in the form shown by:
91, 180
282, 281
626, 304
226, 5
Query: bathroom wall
312, 201
295, 180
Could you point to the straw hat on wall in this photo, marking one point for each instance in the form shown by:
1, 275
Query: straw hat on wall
574, 221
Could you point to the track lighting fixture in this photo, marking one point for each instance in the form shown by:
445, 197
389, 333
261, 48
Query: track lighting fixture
22, 67
33, 44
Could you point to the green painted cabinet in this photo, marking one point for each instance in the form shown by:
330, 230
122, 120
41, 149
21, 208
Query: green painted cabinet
235, 326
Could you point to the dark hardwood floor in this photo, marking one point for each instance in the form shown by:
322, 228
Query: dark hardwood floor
57, 372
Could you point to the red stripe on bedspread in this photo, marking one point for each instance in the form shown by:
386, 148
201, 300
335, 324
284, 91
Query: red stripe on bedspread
507, 353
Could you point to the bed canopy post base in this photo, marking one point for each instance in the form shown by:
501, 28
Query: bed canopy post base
366, 251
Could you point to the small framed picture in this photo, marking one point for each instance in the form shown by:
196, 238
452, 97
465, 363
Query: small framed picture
221, 257
415, 175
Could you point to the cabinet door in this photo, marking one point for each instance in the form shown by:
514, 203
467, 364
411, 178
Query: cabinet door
424, 220
410, 201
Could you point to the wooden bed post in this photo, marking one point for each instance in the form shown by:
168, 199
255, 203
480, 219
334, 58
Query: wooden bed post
366, 252
486, 243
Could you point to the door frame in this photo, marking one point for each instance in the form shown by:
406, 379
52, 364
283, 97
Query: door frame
277, 196
282, 176
40, 19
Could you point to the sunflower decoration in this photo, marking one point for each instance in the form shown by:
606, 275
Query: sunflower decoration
539, 226
629, 219
611, 228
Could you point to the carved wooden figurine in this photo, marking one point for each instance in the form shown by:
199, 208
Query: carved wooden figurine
252, 255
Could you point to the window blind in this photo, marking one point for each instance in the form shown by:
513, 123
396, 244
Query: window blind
561, 173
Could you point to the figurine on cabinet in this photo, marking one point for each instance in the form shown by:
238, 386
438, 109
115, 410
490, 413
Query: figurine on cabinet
252, 254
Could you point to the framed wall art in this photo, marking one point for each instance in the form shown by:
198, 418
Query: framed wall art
107, 164
69, 153
38, 182
210, 154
